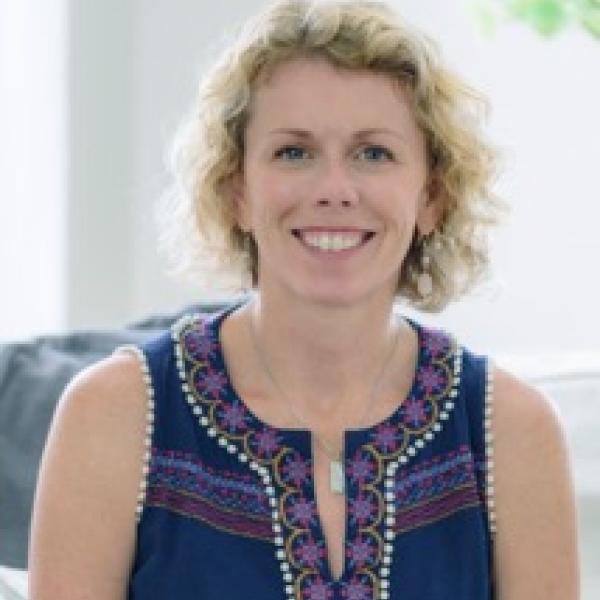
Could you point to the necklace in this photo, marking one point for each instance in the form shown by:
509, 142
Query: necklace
336, 468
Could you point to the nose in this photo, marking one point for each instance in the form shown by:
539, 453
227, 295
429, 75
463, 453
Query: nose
335, 185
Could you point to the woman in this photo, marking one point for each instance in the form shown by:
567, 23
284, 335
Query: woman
308, 442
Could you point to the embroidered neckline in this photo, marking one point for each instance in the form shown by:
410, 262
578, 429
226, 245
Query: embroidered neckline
214, 323
282, 459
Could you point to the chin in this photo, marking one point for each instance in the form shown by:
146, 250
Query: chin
340, 296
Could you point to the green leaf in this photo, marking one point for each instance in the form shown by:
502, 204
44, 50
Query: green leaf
519, 9
590, 16
548, 16
545, 16
592, 24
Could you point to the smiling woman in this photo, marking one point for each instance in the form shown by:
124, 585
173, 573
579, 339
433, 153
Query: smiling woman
209, 150
308, 442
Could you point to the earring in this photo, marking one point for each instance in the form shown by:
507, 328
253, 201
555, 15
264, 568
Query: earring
424, 279
247, 242
247, 275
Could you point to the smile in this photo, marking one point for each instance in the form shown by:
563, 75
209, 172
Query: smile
337, 242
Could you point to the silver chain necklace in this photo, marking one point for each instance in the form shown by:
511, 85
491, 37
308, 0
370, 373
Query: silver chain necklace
336, 468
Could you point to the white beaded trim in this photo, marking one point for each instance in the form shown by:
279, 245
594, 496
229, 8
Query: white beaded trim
263, 472
149, 424
226, 445
489, 447
402, 460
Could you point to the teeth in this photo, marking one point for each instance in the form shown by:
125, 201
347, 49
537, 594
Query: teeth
328, 241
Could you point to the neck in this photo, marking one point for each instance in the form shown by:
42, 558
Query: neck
328, 361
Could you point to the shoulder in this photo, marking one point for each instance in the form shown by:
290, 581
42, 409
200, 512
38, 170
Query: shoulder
102, 412
104, 409
528, 432
101, 417
524, 410
114, 386
536, 542
83, 520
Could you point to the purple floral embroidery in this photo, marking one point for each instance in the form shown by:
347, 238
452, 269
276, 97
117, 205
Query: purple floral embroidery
432, 379
293, 471
360, 551
414, 412
361, 467
296, 470
300, 511
363, 509
435, 342
265, 442
385, 438
357, 589
210, 382
309, 553
233, 416
317, 589
197, 343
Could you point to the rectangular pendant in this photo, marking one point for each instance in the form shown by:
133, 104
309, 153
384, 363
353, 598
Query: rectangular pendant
336, 476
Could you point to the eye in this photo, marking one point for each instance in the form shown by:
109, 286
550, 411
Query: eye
290, 153
376, 153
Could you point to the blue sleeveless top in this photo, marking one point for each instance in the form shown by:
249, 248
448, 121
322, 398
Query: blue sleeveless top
228, 508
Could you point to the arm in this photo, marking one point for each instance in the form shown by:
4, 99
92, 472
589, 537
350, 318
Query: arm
83, 523
536, 542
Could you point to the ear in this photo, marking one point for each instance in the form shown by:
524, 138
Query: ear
234, 191
431, 206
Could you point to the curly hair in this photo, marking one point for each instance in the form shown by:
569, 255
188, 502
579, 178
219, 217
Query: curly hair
198, 225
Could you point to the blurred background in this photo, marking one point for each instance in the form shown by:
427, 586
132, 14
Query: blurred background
92, 92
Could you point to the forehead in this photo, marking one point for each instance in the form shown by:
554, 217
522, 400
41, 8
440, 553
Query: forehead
312, 92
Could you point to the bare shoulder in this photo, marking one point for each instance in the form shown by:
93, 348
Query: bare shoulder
105, 402
536, 541
513, 397
118, 372
84, 521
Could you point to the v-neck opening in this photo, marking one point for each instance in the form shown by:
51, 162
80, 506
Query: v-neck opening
303, 439
284, 459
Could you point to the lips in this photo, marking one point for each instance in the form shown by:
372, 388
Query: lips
333, 229
333, 241
366, 233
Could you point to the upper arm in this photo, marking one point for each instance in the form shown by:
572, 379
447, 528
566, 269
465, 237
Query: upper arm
536, 550
84, 522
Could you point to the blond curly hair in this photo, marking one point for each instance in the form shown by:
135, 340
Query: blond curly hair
198, 225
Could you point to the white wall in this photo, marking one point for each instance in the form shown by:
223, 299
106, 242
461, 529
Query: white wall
101, 259
172, 43
33, 166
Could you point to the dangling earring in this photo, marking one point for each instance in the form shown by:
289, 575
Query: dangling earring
247, 243
249, 257
424, 279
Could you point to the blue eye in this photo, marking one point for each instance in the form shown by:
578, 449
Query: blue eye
376, 153
290, 152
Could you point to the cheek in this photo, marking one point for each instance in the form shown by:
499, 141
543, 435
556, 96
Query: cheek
278, 195
269, 201
397, 200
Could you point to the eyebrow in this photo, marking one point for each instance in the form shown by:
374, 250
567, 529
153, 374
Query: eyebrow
303, 133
